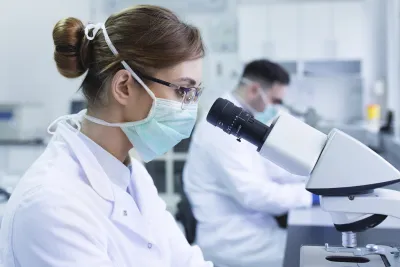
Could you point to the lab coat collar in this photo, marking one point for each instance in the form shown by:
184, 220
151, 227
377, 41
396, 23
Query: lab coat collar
116, 171
125, 209
94, 172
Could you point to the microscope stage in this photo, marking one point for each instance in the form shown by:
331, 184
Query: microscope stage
317, 256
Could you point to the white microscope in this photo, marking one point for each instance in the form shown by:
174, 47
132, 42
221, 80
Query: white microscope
346, 174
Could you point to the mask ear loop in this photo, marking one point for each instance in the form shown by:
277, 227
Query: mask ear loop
101, 122
263, 96
126, 66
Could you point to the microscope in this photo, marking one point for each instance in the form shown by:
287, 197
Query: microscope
347, 175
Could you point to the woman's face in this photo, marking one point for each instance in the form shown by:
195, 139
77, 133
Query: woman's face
135, 101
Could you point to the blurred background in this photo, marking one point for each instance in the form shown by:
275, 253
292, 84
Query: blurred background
343, 57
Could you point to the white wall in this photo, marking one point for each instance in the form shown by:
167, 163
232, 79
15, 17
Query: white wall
393, 59
28, 72
377, 57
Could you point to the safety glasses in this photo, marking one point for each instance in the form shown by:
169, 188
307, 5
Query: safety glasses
274, 100
189, 94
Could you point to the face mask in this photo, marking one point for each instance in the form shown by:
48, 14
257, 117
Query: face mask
271, 110
269, 113
165, 126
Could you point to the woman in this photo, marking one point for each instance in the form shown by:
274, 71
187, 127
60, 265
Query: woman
83, 202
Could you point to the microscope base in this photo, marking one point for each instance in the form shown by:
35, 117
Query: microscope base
325, 256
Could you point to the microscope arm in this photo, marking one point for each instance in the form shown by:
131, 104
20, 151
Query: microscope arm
345, 210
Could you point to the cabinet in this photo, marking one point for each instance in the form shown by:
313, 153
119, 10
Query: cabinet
268, 30
252, 29
326, 30
332, 30
350, 30
281, 34
316, 31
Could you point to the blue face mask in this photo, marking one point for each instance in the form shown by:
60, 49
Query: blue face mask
269, 113
165, 126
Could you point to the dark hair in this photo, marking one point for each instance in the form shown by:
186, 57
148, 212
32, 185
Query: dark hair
267, 72
148, 38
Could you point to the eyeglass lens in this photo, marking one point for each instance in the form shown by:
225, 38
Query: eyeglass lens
191, 96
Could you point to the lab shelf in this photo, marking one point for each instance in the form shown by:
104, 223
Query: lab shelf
329, 68
34, 142
157, 170
290, 66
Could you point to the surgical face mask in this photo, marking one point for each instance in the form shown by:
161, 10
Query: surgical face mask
164, 127
271, 110
268, 115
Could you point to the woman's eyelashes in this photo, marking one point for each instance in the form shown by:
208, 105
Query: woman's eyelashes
180, 93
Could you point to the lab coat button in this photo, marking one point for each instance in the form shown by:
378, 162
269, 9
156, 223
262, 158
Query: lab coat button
125, 213
149, 245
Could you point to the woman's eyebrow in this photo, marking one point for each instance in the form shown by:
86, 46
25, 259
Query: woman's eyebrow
187, 80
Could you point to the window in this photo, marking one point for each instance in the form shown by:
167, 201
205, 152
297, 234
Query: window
166, 172
157, 170
178, 173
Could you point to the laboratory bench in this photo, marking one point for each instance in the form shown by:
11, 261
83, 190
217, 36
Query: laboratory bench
314, 227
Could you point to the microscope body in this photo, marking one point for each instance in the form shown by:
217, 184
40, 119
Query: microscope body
347, 176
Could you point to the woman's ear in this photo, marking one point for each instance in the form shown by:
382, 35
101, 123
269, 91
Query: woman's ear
121, 86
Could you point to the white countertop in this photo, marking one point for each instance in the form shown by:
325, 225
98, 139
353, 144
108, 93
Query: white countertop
317, 217
305, 217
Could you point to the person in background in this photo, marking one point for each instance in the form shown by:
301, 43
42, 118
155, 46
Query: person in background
235, 193
84, 202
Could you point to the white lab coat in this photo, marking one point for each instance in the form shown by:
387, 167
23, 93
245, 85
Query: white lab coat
67, 212
235, 194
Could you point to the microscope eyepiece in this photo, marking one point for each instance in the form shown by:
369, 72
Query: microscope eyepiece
238, 122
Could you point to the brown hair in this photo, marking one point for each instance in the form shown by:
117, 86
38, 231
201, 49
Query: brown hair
148, 38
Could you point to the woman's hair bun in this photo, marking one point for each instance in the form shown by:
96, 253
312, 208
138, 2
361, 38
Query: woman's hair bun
68, 35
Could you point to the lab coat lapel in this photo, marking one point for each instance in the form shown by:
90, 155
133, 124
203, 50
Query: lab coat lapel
91, 167
124, 212
140, 192
138, 218
130, 210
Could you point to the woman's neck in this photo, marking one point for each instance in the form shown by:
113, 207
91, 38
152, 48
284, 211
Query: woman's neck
111, 139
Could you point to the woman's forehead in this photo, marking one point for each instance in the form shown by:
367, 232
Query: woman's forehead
188, 72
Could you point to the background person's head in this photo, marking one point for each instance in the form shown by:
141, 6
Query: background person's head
153, 42
262, 78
